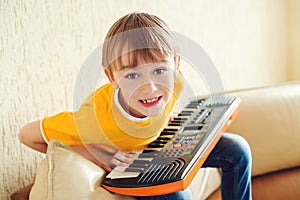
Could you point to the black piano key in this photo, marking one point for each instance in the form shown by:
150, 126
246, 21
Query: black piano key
175, 124
137, 166
141, 162
167, 133
171, 129
150, 151
155, 145
193, 105
130, 169
177, 121
180, 118
185, 113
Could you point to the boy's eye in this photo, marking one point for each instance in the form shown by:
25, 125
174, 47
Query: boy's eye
159, 71
131, 76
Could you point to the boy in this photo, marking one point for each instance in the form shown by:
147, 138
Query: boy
141, 61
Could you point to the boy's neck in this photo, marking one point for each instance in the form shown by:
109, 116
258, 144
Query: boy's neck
124, 108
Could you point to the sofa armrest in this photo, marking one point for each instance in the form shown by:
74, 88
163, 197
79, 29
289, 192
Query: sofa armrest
269, 119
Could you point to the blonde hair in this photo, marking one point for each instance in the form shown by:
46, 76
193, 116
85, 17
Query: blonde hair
138, 34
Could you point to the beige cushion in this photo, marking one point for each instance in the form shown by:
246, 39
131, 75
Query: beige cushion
206, 181
269, 119
65, 174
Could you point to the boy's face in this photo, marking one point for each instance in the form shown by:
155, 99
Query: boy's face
146, 88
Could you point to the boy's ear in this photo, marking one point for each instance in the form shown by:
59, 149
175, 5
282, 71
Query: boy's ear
108, 75
110, 78
177, 63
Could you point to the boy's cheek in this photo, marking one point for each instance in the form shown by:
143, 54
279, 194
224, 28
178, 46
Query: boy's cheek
167, 83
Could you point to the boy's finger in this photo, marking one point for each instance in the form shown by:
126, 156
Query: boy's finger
116, 162
106, 148
171, 118
102, 165
124, 157
106, 168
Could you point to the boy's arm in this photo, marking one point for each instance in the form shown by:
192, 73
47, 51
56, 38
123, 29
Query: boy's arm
31, 136
99, 155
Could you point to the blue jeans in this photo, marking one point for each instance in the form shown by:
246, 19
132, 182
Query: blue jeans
233, 156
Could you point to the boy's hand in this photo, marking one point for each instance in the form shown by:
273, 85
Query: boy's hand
105, 156
171, 117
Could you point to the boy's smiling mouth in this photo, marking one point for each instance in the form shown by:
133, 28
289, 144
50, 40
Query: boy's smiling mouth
150, 101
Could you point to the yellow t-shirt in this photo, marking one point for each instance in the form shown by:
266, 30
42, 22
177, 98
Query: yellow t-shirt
100, 121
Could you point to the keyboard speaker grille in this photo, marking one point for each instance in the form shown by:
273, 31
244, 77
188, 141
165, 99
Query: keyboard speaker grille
162, 171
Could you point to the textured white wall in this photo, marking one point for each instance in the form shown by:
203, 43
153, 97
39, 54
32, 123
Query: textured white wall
44, 43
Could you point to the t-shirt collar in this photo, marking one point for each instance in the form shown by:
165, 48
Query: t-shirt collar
124, 113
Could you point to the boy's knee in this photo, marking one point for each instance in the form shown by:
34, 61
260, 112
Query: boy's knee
243, 147
240, 147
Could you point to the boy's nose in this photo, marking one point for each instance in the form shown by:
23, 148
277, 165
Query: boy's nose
149, 88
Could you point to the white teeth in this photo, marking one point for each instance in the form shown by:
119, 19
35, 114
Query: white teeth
150, 100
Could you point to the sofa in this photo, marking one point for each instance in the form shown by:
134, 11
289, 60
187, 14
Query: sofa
269, 119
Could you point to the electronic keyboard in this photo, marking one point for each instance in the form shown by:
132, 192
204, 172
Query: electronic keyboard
170, 163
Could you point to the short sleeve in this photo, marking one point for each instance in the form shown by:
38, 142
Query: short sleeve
80, 127
61, 127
